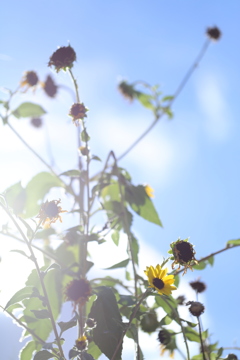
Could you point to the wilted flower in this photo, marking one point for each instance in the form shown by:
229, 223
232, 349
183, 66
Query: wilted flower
81, 343
149, 191
63, 58
50, 87
198, 286
214, 33
50, 212
78, 112
231, 357
30, 79
36, 122
196, 308
183, 254
159, 280
78, 291
167, 342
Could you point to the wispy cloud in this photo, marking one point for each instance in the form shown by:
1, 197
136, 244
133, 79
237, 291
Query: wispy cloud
212, 99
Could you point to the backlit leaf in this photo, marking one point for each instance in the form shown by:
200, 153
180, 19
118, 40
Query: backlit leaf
28, 109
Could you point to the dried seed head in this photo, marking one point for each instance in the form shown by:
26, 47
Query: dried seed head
164, 337
214, 33
183, 254
196, 308
78, 112
63, 58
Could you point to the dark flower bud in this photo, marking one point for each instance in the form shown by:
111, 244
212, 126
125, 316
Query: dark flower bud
164, 337
50, 87
63, 58
30, 79
78, 112
231, 357
214, 33
127, 90
198, 286
181, 299
36, 122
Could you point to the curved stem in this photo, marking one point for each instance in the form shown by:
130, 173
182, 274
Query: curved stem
33, 258
180, 323
144, 295
177, 92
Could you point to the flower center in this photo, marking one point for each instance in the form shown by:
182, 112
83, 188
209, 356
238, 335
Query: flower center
185, 251
51, 210
158, 283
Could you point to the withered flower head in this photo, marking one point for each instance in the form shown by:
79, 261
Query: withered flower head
91, 323
232, 357
78, 112
50, 87
50, 212
36, 122
81, 343
198, 286
149, 322
78, 291
63, 58
214, 33
167, 342
183, 254
127, 90
30, 79
196, 308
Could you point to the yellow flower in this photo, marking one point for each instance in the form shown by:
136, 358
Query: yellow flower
159, 280
149, 191
81, 343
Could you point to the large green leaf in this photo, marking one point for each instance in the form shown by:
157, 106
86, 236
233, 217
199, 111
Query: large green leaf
37, 188
108, 331
20, 295
15, 196
140, 202
233, 242
44, 355
28, 349
121, 264
28, 109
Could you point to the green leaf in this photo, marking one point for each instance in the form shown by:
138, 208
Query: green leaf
73, 353
94, 157
145, 100
71, 173
67, 325
28, 109
135, 249
127, 300
86, 356
20, 295
211, 260
115, 237
28, 349
166, 320
141, 203
108, 331
200, 266
20, 252
167, 98
94, 350
41, 314
189, 323
44, 355
84, 136
121, 264
191, 334
132, 333
219, 353
233, 242
37, 188
30, 232
15, 197
13, 307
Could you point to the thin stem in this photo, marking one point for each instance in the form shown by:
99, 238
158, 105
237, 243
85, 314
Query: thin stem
40, 278
177, 92
144, 295
32, 150
180, 323
201, 339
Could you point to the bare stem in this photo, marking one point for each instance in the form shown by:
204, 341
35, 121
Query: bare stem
201, 339
40, 278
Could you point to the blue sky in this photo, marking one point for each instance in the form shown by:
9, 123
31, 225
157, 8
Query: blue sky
191, 161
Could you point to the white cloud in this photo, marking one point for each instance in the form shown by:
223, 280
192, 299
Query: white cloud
212, 99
